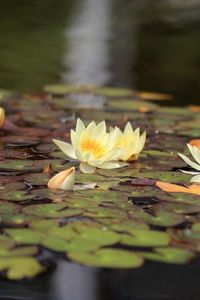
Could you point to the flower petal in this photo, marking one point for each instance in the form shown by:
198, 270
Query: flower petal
189, 162
85, 168
74, 139
66, 148
189, 172
101, 127
64, 180
79, 127
128, 128
79, 155
112, 165
195, 179
195, 152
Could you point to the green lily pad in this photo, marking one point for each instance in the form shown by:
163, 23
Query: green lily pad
82, 245
108, 258
62, 89
25, 236
20, 267
43, 225
169, 255
11, 219
65, 232
19, 165
132, 105
160, 217
20, 251
8, 208
51, 210
37, 178
102, 236
55, 244
160, 153
14, 186
172, 177
146, 238
113, 92
16, 196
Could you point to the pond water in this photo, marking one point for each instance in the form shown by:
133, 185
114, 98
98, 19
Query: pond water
143, 44
70, 281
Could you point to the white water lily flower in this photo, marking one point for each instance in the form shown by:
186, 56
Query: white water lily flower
130, 141
64, 180
93, 147
2, 116
195, 165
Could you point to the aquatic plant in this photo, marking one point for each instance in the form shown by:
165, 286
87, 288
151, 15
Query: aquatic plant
195, 165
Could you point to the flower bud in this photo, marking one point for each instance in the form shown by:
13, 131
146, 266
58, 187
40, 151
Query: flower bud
2, 116
64, 180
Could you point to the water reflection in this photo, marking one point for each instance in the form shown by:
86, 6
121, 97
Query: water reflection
30, 290
87, 57
73, 282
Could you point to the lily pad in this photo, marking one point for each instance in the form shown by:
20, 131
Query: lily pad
108, 258
16, 196
51, 210
19, 166
113, 92
25, 236
62, 89
146, 238
169, 255
20, 267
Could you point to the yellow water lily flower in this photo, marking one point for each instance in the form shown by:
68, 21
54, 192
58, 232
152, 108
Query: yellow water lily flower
93, 147
130, 141
195, 165
2, 116
64, 180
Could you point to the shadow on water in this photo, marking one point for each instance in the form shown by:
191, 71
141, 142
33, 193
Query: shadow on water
154, 281
146, 44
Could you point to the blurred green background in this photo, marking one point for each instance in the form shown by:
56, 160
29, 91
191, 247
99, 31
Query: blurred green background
144, 44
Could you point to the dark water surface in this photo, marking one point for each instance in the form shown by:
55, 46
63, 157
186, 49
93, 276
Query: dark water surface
150, 45
72, 282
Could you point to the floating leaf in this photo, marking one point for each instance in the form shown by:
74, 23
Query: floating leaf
16, 196
108, 258
113, 92
101, 236
169, 255
146, 238
25, 236
19, 166
52, 210
20, 267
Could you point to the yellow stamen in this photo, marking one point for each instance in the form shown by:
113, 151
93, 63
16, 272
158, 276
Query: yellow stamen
91, 145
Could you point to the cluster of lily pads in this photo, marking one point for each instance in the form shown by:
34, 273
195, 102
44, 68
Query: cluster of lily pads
145, 210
